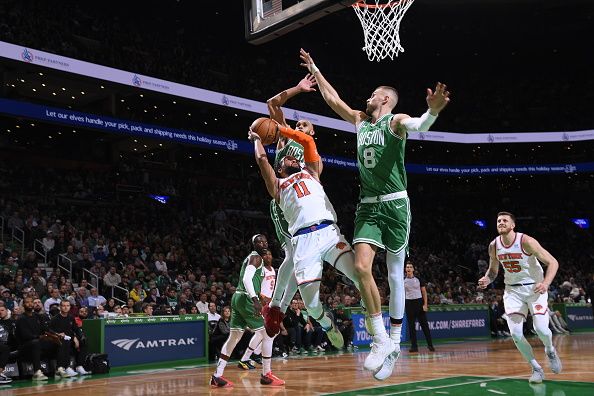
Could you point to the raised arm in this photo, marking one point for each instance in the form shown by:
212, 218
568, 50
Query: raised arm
531, 246
436, 101
306, 84
493, 269
265, 168
310, 151
329, 93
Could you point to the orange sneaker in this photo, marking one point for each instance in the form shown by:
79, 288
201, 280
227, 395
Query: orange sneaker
220, 382
271, 379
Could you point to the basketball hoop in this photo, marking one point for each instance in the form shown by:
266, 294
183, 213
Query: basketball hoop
380, 21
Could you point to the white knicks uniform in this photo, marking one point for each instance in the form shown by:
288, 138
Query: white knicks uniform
305, 206
268, 283
522, 273
304, 201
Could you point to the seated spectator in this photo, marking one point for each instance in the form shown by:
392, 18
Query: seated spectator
294, 323
220, 333
344, 324
7, 329
202, 304
137, 293
111, 280
147, 309
154, 297
95, 299
213, 316
29, 327
54, 299
66, 327
81, 299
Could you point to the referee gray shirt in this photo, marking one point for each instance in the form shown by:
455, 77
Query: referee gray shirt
412, 288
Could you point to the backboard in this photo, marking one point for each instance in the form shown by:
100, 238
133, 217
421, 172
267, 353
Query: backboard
266, 20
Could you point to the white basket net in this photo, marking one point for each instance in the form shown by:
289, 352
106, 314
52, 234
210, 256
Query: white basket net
380, 21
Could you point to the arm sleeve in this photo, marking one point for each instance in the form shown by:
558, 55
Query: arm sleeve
419, 124
248, 274
310, 151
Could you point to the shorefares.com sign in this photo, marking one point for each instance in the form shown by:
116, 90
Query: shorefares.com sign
130, 344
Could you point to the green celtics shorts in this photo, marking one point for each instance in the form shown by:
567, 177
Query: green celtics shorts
242, 313
281, 227
383, 224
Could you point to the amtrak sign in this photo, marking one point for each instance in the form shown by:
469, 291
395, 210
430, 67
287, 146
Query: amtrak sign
134, 343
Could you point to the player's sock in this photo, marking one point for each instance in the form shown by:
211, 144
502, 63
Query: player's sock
541, 326
267, 342
395, 264
227, 349
221, 364
377, 325
396, 332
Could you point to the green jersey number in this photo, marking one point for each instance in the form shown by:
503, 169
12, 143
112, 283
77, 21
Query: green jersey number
369, 160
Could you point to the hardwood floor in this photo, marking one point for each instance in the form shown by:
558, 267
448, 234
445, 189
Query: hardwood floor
491, 365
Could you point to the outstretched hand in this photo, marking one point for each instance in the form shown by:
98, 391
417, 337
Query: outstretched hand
439, 99
307, 83
307, 61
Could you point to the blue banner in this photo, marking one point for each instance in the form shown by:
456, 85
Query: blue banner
361, 337
243, 146
442, 324
579, 317
130, 344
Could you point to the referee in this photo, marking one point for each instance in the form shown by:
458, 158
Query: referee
416, 306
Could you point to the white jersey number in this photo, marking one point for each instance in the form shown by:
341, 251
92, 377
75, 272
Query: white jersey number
369, 160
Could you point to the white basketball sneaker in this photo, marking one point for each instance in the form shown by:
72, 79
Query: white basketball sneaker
388, 367
554, 361
537, 376
380, 350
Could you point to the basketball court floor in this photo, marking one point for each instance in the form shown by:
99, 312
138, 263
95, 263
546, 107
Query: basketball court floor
487, 367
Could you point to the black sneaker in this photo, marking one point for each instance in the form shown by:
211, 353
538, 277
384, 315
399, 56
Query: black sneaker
413, 349
4, 379
431, 348
220, 382
257, 358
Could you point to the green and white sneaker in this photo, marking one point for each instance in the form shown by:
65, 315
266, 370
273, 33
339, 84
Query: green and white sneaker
334, 336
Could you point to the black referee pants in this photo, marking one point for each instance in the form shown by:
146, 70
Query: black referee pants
414, 312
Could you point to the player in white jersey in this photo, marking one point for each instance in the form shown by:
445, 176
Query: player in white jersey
312, 223
526, 288
254, 348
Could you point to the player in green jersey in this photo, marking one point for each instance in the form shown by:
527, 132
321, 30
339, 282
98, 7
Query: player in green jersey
286, 286
246, 312
383, 215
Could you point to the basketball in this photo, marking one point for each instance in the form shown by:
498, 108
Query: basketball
266, 129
